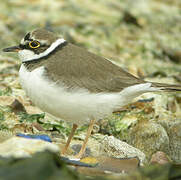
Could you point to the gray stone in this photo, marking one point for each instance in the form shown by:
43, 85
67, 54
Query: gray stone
149, 137
119, 149
22, 147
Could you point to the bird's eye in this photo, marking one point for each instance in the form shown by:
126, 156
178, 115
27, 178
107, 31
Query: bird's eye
34, 44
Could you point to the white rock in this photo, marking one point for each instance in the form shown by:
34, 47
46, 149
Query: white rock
119, 149
22, 147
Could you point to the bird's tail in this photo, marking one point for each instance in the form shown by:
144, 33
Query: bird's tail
167, 87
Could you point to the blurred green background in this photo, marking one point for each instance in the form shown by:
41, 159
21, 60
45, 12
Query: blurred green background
142, 36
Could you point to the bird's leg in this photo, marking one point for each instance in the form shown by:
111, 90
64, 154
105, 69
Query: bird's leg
82, 150
69, 138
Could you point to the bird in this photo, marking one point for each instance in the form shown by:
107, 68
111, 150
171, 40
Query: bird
73, 84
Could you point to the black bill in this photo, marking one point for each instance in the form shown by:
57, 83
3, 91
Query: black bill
12, 49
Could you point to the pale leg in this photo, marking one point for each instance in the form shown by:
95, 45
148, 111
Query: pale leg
82, 150
69, 138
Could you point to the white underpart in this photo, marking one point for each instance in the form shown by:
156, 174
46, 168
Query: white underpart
28, 55
78, 106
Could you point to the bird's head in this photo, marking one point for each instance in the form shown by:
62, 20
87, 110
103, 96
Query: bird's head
36, 44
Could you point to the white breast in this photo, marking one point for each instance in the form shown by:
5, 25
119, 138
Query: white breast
78, 106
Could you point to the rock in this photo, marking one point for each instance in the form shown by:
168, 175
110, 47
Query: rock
93, 147
131, 19
159, 158
6, 100
5, 134
48, 165
174, 134
17, 107
173, 128
149, 137
22, 147
173, 54
158, 172
108, 165
42, 166
119, 149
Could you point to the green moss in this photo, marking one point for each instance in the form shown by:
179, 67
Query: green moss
6, 92
1, 116
24, 117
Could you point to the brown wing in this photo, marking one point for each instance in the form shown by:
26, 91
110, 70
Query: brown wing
76, 67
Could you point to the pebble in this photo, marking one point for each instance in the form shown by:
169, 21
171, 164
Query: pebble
21, 147
119, 149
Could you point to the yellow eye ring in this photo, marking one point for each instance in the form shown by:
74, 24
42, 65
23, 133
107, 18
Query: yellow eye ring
34, 44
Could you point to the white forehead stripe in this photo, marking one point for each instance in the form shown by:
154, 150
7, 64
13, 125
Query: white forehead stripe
28, 55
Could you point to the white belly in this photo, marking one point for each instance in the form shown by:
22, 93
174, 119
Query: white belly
78, 106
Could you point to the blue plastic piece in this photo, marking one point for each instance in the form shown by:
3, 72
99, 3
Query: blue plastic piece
41, 137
